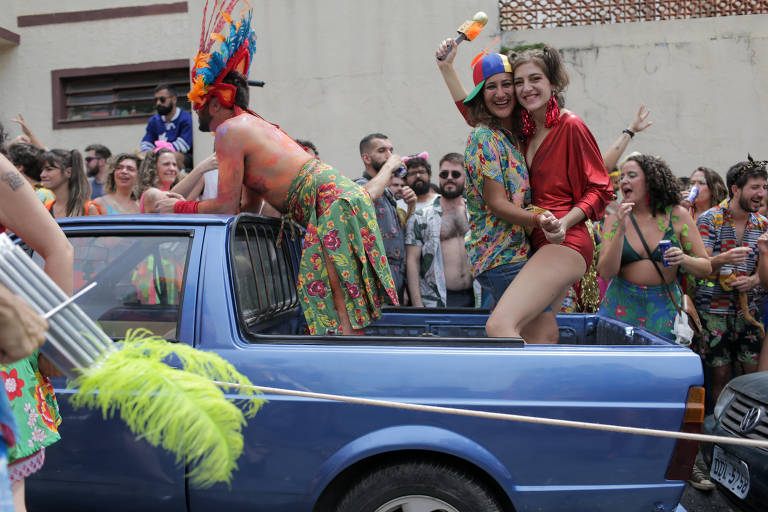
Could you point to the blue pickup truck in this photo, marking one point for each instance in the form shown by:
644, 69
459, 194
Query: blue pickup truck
226, 285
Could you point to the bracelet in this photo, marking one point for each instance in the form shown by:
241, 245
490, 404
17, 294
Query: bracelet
185, 206
628, 132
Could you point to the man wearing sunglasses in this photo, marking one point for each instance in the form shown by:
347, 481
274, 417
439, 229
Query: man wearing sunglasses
437, 265
170, 124
96, 156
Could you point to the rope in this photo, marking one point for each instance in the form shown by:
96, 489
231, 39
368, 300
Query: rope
506, 417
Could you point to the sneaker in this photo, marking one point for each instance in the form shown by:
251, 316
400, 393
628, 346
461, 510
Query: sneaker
700, 479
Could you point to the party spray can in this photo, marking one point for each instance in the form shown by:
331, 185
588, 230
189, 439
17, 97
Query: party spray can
664, 245
692, 194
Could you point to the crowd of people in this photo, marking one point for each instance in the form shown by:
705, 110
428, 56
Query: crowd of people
530, 219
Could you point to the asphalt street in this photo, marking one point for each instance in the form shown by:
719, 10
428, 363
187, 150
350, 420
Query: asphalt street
697, 501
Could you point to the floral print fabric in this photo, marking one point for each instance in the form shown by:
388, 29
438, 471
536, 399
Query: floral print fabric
648, 307
338, 216
34, 406
491, 242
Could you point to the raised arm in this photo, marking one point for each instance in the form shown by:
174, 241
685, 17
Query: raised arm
23, 213
612, 155
191, 186
609, 262
28, 132
451, 78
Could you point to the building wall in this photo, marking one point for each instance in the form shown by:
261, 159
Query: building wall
337, 70
704, 81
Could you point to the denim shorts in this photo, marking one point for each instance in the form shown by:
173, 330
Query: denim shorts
496, 280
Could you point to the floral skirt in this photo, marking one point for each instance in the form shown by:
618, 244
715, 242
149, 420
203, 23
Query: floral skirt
648, 307
340, 219
34, 407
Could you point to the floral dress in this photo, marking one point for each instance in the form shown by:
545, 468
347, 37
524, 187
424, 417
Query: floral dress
36, 411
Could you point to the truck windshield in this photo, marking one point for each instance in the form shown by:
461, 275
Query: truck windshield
140, 280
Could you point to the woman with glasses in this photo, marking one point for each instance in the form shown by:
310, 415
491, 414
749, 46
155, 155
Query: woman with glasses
120, 197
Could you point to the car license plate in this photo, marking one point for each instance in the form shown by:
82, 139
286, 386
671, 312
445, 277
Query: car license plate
731, 472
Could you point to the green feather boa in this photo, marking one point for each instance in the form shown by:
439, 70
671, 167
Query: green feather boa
181, 410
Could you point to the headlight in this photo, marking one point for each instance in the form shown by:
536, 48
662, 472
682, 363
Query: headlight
725, 398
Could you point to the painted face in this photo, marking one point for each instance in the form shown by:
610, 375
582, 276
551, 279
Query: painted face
396, 187
166, 168
751, 195
499, 95
52, 177
532, 87
452, 179
126, 173
379, 151
700, 180
204, 118
633, 182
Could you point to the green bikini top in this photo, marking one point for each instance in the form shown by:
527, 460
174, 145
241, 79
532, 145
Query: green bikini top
630, 255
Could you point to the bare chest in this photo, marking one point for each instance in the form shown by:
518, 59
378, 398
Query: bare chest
453, 225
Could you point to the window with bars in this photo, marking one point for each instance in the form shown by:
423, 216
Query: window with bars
533, 14
114, 94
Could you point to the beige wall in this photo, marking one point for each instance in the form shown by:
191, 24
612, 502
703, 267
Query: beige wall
339, 69
704, 80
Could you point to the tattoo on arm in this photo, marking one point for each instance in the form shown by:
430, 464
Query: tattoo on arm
13, 179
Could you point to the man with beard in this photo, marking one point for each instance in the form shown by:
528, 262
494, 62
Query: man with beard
418, 178
170, 124
380, 162
730, 232
438, 267
96, 169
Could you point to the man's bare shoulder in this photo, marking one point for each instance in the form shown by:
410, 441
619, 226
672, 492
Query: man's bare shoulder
240, 124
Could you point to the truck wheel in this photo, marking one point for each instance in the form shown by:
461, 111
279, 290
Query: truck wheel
418, 487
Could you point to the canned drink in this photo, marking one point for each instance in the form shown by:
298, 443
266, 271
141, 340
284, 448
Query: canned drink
693, 194
401, 172
664, 245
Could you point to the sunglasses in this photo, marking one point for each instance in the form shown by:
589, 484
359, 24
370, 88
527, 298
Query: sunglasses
454, 174
161, 99
89, 158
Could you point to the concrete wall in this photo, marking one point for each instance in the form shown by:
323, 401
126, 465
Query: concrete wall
704, 81
337, 70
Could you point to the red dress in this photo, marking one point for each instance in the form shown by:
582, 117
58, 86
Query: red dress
568, 170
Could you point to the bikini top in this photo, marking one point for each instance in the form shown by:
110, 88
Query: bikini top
630, 255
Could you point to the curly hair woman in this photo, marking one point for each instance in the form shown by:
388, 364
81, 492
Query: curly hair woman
158, 174
637, 294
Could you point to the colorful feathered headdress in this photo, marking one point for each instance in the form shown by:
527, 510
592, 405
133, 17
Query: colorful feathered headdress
237, 43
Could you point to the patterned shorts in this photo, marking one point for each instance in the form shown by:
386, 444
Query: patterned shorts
726, 338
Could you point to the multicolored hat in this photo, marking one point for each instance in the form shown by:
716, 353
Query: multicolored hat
491, 64
234, 53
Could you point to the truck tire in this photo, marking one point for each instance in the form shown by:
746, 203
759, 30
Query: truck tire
421, 486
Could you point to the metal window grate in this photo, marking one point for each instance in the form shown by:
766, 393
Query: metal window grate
265, 272
533, 14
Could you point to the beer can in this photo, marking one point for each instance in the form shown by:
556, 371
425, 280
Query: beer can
401, 172
693, 194
664, 245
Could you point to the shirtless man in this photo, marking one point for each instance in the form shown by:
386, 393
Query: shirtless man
437, 266
337, 214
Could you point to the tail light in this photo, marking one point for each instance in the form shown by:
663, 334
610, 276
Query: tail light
684, 455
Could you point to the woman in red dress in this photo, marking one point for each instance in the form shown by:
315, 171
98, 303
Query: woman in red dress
568, 178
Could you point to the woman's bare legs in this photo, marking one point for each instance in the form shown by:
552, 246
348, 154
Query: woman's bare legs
542, 282
17, 489
338, 299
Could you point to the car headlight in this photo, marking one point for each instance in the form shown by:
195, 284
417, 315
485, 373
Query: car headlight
722, 402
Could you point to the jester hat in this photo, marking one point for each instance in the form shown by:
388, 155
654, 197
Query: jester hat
236, 44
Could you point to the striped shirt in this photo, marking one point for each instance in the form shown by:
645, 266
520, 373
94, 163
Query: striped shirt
718, 231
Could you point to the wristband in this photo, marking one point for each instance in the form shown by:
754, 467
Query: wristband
628, 132
185, 206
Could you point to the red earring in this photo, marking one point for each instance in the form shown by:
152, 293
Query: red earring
553, 112
529, 127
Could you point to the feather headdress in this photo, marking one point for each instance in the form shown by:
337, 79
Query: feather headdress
236, 45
